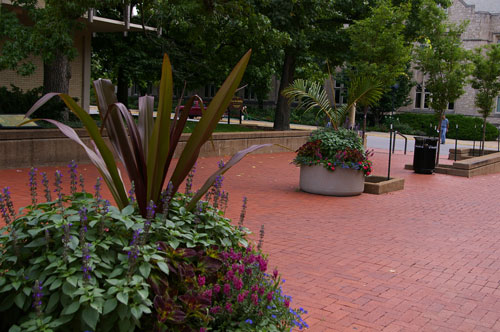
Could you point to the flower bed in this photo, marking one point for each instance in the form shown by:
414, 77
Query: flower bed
73, 262
333, 149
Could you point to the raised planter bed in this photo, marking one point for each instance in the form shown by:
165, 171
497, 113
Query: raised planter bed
48, 147
466, 153
375, 184
474, 166
316, 179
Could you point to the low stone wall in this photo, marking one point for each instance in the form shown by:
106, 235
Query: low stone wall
466, 153
48, 147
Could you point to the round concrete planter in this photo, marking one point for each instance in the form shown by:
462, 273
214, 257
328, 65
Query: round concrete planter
342, 182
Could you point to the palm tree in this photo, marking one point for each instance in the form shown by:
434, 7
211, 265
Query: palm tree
363, 91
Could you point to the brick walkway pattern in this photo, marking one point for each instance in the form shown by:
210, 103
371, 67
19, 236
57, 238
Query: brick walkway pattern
423, 259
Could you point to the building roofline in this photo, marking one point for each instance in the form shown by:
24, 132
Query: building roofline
473, 6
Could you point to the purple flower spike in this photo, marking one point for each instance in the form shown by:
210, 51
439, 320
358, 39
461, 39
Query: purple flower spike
73, 176
37, 297
86, 268
32, 185
46, 189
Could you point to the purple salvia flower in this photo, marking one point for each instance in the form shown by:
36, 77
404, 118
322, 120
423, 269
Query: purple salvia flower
103, 212
58, 190
133, 253
8, 202
3, 210
261, 238
217, 190
73, 177
189, 180
243, 213
167, 196
83, 224
198, 211
149, 219
46, 189
65, 239
82, 183
224, 202
37, 298
97, 188
32, 185
131, 192
86, 268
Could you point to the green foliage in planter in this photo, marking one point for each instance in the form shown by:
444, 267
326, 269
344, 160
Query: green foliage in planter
333, 148
333, 140
420, 124
93, 261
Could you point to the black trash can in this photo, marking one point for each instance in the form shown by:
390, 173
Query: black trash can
424, 156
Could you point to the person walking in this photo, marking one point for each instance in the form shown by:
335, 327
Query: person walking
444, 125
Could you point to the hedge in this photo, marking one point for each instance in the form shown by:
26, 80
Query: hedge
423, 124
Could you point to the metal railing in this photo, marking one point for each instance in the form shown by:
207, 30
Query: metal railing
394, 140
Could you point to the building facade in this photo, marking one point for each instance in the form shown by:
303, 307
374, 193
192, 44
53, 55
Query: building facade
483, 29
80, 82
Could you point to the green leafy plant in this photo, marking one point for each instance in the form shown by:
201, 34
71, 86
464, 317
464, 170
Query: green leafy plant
146, 149
76, 263
333, 149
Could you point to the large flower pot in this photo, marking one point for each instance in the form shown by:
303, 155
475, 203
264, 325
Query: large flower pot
342, 182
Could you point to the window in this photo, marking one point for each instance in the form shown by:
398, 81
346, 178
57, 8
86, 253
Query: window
209, 90
427, 98
249, 93
339, 93
497, 110
418, 97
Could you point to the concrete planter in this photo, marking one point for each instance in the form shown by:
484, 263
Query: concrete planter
378, 185
342, 182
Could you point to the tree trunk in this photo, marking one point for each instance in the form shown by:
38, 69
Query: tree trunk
484, 135
365, 114
282, 118
56, 74
122, 87
352, 117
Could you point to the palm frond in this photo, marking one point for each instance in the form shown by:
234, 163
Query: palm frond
365, 91
309, 95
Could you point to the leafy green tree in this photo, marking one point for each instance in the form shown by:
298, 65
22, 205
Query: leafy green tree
50, 37
378, 47
312, 28
443, 61
202, 37
486, 80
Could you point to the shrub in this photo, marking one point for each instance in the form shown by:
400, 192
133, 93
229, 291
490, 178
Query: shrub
423, 124
17, 101
76, 263
334, 148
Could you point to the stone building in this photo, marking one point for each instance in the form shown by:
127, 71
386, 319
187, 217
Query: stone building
80, 82
483, 29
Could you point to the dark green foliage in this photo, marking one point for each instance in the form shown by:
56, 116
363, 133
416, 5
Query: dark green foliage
117, 292
423, 124
17, 101
333, 141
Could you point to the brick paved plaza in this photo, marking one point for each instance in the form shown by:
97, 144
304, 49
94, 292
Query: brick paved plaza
423, 259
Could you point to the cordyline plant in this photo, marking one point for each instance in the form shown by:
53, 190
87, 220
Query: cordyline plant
146, 149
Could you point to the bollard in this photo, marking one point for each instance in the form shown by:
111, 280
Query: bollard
456, 141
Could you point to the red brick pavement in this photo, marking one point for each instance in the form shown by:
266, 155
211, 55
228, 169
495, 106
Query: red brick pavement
422, 259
